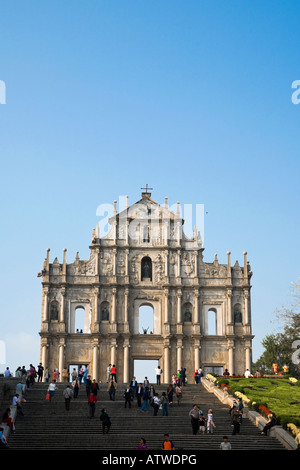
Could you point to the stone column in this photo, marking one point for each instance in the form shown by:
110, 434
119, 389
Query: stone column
113, 305
196, 265
166, 303
166, 372
113, 353
62, 305
126, 292
44, 355
178, 263
166, 264
179, 354
196, 314
126, 262
229, 308
45, 304
246, 299
231, 357
126, 362
178, 295
96, 318
96, 261
197, 354
114, 263
61, 358
95, 360
248, 355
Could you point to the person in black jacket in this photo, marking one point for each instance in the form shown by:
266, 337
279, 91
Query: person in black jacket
128, 396
146, 398
139, 393
270, 423
106, 422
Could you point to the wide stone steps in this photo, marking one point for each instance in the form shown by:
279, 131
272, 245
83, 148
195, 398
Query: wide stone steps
49, 426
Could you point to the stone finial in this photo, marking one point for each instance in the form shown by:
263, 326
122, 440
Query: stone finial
245, 265
228, 264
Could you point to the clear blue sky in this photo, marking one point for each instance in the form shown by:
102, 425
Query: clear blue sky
102, 97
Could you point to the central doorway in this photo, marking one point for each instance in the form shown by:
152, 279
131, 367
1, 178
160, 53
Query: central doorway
145, 368
77, 367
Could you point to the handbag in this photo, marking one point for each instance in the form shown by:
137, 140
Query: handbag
48, 396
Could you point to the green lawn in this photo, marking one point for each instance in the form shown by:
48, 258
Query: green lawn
278, 394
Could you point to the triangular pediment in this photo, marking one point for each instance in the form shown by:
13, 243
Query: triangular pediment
147, 208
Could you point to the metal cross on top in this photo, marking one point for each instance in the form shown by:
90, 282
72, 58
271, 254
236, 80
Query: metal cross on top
147, 188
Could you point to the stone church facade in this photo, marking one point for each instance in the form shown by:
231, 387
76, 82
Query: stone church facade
146, 259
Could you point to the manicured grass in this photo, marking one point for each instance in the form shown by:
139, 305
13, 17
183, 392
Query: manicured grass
278, 394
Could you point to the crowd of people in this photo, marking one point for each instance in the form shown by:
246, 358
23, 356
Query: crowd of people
144, 393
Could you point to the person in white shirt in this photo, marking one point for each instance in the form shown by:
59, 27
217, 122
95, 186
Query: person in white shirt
156, 403
225, 445
247, 373
51, 389
158, 372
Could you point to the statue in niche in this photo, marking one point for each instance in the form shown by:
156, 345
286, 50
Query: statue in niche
187, 315
146, 268
105, 313
54, 311
237, 315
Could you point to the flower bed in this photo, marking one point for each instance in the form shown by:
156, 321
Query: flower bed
266, 395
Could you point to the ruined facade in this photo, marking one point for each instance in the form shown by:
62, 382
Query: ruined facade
146, 259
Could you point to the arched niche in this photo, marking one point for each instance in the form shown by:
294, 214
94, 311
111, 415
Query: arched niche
104, 311
146, 268
187, 312
237, 313
54, 309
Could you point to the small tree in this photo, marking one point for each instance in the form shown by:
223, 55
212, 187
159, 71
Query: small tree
282, 347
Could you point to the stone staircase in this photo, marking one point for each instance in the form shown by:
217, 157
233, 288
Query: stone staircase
49, 426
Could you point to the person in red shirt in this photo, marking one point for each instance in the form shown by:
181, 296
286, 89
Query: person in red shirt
113, 373
92, 400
